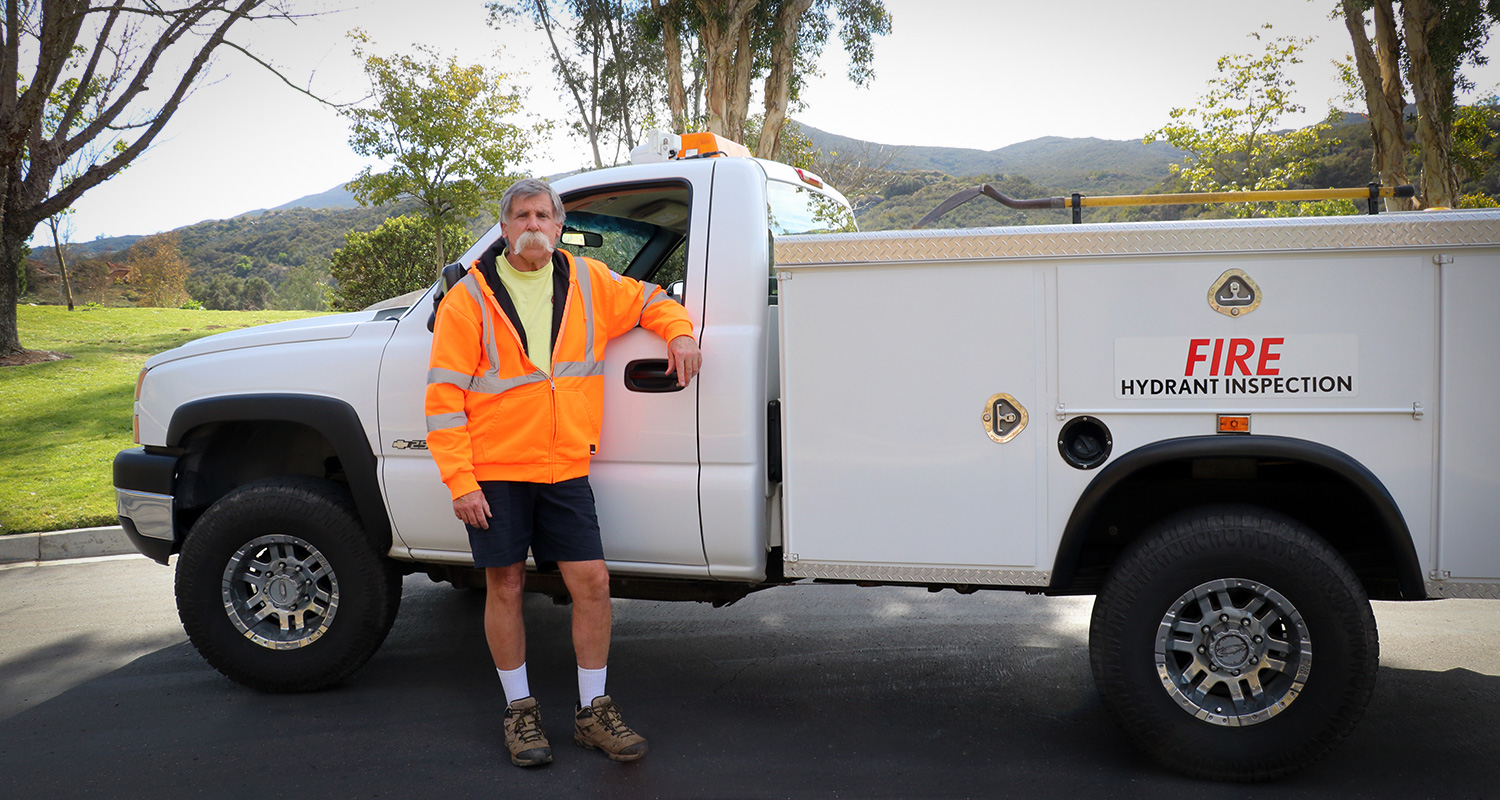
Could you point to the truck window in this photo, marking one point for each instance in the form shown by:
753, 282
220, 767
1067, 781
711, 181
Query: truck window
644, 229
798, 209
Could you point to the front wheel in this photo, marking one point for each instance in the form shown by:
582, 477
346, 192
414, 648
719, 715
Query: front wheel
279, 588
1233, 643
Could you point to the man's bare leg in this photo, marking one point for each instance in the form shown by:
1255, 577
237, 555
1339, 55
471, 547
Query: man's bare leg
503, 627
588, 584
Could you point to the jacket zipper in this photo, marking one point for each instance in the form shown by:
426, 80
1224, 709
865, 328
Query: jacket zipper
567, 306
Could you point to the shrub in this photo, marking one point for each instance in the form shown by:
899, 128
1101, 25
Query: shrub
395, 258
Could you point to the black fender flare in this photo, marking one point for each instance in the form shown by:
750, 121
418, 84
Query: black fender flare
335, 419
1393, 527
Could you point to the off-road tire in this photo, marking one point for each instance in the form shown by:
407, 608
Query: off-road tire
1282, 583
292, 549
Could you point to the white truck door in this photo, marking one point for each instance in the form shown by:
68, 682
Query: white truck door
645, 475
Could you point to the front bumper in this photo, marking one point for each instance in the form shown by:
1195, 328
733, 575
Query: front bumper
144, 501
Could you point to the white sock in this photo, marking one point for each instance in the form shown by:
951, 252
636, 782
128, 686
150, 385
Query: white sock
514, 682
590, 684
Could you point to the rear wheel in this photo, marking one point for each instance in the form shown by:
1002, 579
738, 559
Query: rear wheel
1233, 643
279, 588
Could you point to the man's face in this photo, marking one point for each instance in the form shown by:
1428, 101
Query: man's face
536, 216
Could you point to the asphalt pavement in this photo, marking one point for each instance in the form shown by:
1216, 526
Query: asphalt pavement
807, 691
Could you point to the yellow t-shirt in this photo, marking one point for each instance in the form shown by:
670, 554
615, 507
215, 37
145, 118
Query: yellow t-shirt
532, 294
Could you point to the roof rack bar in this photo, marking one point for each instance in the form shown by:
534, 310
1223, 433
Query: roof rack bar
1077, 202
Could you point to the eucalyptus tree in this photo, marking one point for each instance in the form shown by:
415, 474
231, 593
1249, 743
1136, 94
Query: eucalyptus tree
1431, 41
618, 59
606, 66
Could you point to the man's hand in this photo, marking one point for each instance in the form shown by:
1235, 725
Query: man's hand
684, 358
473, 509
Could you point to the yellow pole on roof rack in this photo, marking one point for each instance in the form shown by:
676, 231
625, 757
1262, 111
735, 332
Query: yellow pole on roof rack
1077, 202
1282, 195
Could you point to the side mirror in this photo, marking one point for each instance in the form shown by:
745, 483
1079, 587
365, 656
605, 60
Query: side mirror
582, 238
675, 290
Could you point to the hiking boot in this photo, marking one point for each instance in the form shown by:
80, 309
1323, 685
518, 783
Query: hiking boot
598, 727
523, 734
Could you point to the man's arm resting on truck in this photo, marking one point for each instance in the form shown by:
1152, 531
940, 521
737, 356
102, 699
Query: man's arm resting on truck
628, 302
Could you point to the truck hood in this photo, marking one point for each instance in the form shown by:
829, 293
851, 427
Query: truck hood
334, 326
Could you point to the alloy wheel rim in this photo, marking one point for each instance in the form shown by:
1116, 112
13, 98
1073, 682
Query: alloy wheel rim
1233, 652
280, 592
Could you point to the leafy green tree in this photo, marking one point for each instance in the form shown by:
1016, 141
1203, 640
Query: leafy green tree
1473, 133
391, 260
442, 126
305, 288
257, 294
76, 78
1233, 137
221, 293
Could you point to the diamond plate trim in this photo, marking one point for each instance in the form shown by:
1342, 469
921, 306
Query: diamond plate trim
1417, 229
1472, 591
896, 574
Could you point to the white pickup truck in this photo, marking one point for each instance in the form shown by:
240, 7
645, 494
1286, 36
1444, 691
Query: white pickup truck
1235, 433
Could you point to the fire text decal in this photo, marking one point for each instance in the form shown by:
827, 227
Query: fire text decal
1264, 366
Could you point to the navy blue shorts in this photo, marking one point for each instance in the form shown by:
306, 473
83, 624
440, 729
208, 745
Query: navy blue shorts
555, 520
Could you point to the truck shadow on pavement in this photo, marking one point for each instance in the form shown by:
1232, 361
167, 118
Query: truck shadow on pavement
819, 691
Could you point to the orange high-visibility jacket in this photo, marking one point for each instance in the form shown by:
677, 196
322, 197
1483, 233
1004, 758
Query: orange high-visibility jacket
491, 414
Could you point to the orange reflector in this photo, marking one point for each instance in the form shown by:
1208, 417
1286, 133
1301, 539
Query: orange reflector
809, 178
1234, 423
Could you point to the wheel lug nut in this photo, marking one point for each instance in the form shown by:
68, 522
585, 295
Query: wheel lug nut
1245, 622
1234, 672
1207, 629
1202, 649
1254, 659
1257, 640
1223, 617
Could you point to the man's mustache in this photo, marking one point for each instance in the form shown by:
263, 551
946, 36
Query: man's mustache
532, 239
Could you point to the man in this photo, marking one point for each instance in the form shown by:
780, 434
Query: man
515, 391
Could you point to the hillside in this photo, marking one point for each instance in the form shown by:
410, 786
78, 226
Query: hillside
1085, 165
298, 236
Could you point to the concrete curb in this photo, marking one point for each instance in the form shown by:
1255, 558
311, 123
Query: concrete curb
56, 545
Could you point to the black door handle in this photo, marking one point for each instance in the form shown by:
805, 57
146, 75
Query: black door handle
650, 375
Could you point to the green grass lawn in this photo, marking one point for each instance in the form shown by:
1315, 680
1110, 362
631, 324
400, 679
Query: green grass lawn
62, 422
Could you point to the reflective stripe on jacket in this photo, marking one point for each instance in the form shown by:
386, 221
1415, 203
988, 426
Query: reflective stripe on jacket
492, 415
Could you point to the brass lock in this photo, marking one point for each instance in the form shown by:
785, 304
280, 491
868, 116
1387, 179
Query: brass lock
1004, 417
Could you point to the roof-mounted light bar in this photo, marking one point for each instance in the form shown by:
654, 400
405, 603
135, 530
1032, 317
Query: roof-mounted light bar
663, 145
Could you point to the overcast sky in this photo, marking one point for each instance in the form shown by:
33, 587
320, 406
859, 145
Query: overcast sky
957, 73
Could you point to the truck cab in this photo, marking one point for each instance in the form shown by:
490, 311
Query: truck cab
681, 475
